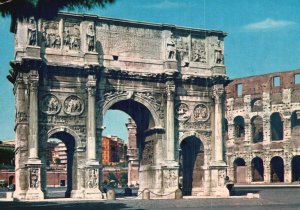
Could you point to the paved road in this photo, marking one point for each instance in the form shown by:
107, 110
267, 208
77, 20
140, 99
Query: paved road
284, 198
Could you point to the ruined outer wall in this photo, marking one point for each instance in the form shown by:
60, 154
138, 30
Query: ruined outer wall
261, 97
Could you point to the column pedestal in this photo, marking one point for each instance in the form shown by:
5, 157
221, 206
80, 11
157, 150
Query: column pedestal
92, 182
34, 191
217, 182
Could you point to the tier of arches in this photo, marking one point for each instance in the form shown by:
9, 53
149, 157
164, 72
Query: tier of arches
276, 122
259, 169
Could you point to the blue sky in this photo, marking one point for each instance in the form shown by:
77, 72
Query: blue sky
263, 37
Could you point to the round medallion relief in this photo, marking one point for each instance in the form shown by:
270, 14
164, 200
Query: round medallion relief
73, 105
182, 112
50, 104
201, 112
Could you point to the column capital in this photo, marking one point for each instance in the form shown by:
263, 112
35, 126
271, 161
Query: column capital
91, 85
218, 93
170, 90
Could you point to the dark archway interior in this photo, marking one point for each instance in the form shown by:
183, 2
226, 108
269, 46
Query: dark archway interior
277, 169
191, 162
257, 129
296, 168
141, 116
69, 141
257, 169
239, 127
276, 127
11, 180
295, 123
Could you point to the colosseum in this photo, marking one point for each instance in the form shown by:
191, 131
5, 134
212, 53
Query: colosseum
262, 127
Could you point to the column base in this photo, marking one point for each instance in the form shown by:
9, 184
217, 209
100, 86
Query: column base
34, 195
19, 195
93, 194
77, 194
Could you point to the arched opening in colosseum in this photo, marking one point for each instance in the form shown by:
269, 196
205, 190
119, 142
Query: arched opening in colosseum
191, 164
295, 124
276, 122
257, 129
277, 169
296, 168
257, 169
225, 129
239, 127
239, 170
63, 166
256, 105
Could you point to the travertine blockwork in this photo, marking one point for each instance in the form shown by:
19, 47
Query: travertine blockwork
69, 71
263, 128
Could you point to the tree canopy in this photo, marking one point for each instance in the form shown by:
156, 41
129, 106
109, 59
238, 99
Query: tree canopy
47, 9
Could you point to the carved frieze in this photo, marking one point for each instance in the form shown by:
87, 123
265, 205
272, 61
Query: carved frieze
73, 105
51, 35
198, 51
50, 104
182, 112
32, 34
201, 112
71, 36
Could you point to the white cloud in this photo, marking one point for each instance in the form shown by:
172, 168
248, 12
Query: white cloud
269, 24
166, 4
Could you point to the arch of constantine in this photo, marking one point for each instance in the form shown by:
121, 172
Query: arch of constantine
67, 72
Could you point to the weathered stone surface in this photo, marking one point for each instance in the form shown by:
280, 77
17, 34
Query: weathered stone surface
168, 78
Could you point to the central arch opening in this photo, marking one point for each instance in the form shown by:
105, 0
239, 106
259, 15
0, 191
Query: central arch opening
140, 145
191, 164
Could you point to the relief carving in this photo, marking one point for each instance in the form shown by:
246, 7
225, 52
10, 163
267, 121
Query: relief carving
51, 34
90, 37
199, 51
32, 34
50, 104
170, 179
73, 105
148, 154
92, 178
201, 112
34, 178
72, 36
182, 112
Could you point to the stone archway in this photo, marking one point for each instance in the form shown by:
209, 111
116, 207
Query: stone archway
257, 169
149, 137
239, 170
296, 168
191, 165
277, 169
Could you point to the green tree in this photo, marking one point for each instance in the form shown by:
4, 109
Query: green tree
124, 179
20, 9
113, 180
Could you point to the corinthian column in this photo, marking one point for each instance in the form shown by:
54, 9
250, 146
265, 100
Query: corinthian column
33, 118
91, 122
170, 89
218, 93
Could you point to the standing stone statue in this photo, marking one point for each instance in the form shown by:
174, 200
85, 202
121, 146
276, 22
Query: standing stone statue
32, 32
219, 57
171, 48
90, 37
